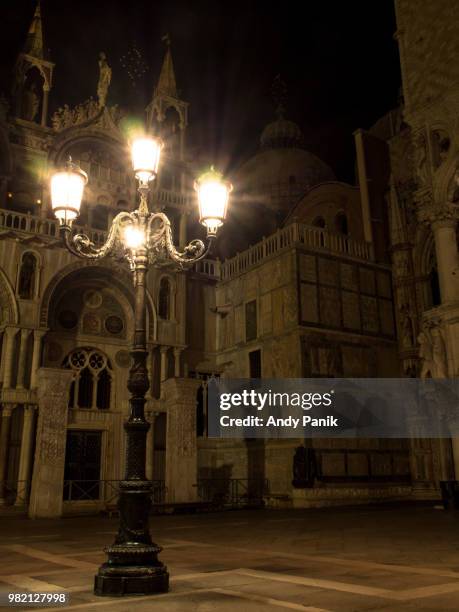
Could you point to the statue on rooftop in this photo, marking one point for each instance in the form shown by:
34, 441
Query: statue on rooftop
105, 77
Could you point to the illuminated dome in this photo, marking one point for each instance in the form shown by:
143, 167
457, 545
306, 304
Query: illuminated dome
281, 133
282, 170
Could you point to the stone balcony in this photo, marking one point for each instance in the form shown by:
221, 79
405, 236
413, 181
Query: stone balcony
294, 234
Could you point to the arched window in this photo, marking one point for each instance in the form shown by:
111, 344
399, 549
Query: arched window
164, 299
93, 379
319, 222
341, 224
27, 277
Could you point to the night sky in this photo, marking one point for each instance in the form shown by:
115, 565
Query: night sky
338, 59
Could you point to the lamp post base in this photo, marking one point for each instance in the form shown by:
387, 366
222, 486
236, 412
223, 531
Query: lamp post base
116, 581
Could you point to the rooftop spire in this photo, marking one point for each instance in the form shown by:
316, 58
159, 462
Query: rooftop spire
166, 83
34, 42
279, 95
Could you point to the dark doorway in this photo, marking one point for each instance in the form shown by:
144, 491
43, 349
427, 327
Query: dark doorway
255, 364
82, 465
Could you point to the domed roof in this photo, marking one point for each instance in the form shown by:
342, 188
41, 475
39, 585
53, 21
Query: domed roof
277, 177
281, 133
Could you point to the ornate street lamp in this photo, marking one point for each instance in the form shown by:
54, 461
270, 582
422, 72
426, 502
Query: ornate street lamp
144, 238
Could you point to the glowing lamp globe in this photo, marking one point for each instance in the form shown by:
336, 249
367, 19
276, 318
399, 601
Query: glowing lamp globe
213, 196
134, 237
145, 154
67, 188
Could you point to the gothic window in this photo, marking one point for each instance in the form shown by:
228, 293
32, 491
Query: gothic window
164, 299
27, 276
171, 130
93, 379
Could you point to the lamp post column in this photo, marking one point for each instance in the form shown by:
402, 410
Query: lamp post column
133, 565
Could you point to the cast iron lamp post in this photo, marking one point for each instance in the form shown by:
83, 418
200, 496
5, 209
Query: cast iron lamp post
143, 238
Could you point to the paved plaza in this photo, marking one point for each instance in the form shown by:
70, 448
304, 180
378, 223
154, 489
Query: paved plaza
344, 559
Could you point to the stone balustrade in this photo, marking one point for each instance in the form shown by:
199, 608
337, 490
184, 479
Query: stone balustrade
32, 224
295, 234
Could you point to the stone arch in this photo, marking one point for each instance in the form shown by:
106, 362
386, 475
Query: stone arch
111, 276
78, 135
425, 267
8, 304
422, 253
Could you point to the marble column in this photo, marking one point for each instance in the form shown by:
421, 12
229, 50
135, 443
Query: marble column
36, 356
9, 356
7, 410
25, 457
181, 443
444, 231
20, 383
48, 470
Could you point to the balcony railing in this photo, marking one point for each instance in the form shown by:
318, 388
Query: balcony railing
106, 491
233, 492
14, 492
295, 234
44, 227
292, 235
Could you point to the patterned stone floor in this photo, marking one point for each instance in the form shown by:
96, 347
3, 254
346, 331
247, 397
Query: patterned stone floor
355, 559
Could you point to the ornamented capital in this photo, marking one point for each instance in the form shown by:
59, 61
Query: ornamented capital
431, 212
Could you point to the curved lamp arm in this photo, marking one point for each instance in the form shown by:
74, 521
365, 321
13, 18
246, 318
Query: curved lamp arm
159, 242
82, 246
161, 239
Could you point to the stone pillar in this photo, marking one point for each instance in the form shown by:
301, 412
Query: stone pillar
181, 446
182, 230
444, 231
9, 356
163, 371
20, 383
48, 470
25, 458
2, 358
7, 409
177, 353
36, 357
44, 110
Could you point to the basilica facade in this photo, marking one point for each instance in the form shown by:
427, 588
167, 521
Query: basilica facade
331, 280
